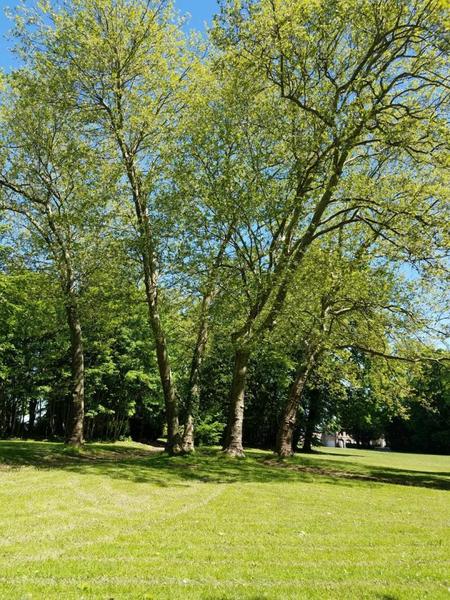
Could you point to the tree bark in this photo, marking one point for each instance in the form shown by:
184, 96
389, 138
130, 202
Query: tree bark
193, 400
233, 442
32, 415
75, 430
150, 265
162, 354
188, 444
289, 415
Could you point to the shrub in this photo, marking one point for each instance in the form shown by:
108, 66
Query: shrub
209, 432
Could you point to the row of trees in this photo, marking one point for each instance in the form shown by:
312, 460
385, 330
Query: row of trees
123, 395
276, 195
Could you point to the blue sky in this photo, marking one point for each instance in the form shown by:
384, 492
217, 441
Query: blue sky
200, 11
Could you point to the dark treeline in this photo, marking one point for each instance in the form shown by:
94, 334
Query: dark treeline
239, 239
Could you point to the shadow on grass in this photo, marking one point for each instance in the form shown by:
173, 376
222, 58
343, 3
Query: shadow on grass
236, 597
142, 465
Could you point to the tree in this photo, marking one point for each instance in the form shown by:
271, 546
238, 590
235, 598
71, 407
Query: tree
352, 96
424, 425
31, 319
350, 306
208, 163
266, 193
122, 65
52, 182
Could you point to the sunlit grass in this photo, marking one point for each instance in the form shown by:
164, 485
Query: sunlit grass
123, 521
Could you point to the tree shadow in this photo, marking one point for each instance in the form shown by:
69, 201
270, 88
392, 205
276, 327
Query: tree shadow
338, 469
321, 452
142, 464
237, 597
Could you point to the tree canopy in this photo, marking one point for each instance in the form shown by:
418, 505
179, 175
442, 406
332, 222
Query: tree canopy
242, 237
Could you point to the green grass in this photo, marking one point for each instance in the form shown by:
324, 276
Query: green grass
118, 521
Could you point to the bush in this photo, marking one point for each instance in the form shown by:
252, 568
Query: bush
209, 432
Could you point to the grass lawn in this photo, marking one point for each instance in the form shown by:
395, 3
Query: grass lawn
124, 521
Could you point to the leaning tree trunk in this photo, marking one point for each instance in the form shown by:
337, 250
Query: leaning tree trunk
75, 429
289, 415
162, 353
165, 371
193, 399
149, 260
233, 441
187, 444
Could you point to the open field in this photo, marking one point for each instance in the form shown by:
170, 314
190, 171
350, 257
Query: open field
123, 521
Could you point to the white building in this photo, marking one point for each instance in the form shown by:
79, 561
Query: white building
341, 439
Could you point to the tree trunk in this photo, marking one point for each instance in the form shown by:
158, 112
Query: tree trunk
75, 430
164, 368
32, 415
165, 371
307, 441
149, 260
193, 400
289, 415
233, 442
188, 444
